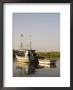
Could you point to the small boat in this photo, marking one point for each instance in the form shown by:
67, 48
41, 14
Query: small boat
44, 61
44, 65
47, 62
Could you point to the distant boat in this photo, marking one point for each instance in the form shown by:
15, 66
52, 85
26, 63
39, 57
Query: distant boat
47, 62
44, 61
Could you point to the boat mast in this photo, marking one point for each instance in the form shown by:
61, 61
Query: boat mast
30, 42
21, 45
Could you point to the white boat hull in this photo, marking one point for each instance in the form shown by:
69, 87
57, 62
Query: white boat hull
44, 62
44, 65
22, 59
47, 62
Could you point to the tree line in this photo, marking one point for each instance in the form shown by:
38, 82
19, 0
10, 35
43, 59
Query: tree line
52, 55
43, 55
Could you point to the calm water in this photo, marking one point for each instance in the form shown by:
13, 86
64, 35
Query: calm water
41, 71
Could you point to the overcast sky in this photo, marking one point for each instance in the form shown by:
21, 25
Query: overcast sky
43, 27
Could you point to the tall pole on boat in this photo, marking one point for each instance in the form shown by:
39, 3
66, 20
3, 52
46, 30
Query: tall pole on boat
21, 46
30, 42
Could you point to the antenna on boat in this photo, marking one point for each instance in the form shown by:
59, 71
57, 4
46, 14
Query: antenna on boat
30, 42
27, 46
21, 45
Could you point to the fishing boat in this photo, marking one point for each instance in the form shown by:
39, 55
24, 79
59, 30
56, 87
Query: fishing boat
21, 56
23, 59
26, 55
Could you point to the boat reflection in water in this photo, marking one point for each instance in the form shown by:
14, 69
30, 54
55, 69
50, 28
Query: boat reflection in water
30, 68
26, 67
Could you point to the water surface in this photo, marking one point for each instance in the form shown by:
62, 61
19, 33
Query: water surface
41, 71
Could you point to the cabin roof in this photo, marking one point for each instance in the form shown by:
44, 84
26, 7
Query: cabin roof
31, 50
